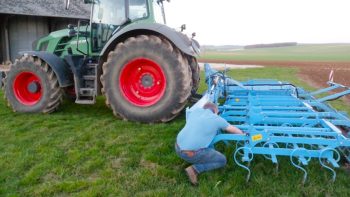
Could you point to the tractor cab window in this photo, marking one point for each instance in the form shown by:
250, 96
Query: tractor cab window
109, 12
107, 16
138, 9
157, 10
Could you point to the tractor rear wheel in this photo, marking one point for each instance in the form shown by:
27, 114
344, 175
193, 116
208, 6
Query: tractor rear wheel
146, 79
195, 74
31, 86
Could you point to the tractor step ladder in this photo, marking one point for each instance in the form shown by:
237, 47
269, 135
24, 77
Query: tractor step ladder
87, 93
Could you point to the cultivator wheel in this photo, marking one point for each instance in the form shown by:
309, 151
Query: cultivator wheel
31, 86
146, 79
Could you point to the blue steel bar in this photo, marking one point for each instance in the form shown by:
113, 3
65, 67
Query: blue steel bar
325, 90
279, 119
334, 96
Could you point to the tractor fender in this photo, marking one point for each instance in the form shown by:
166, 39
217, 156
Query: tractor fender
180, 40
59, 66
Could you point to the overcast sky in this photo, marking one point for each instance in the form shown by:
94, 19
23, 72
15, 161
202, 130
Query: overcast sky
245, 22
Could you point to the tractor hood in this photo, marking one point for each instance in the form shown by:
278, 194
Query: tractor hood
58, 42
42, 43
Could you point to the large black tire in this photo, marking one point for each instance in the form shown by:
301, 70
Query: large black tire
195, 74
2, 78
171, 62
45, 95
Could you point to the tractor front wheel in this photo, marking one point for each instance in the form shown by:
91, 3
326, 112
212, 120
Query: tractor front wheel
146, 79
31, 86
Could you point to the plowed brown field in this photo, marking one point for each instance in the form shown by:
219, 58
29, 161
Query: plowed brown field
315, 74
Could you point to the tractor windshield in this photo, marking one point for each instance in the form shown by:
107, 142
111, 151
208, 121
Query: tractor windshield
109, 12
138, 9
113, 12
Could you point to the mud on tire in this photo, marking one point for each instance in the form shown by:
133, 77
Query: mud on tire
146, 79
31, 86
195, 74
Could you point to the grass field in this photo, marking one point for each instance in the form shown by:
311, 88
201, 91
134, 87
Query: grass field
84, 151
310, 52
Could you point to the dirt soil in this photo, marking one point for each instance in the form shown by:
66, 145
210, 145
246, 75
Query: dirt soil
316, 74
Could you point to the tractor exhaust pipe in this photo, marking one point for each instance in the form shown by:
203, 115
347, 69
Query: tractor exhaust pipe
66, 4
160, 2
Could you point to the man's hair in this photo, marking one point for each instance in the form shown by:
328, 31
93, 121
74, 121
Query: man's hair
211, 106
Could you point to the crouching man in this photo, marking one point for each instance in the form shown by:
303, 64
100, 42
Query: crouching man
193, 140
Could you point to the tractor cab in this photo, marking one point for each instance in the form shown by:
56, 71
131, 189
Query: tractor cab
110, 16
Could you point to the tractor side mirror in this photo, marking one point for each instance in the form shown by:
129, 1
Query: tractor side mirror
183, 27
194, 35
161, 1
71, 31
67, 3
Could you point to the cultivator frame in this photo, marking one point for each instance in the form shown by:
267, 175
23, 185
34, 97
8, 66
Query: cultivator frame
279, 119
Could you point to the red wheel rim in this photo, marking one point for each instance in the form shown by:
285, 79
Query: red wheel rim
27, 88
70, 91
142, 82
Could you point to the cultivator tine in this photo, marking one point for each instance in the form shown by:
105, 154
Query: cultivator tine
245, 158
301, 159
331, 160
238, 145
271, 156
280, 119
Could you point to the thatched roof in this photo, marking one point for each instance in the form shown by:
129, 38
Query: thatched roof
50, 8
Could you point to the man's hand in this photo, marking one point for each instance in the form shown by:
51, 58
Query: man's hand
232, 129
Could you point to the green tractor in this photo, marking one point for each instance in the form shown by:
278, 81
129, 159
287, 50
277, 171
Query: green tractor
146, 70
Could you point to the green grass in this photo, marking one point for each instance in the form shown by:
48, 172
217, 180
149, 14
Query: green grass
84, 151
315, 52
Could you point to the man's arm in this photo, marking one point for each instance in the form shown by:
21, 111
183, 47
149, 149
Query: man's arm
232, 129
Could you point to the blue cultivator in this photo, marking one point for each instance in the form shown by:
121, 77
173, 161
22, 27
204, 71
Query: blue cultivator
280, 119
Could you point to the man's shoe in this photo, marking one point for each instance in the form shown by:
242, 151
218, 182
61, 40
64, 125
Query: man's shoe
192, 175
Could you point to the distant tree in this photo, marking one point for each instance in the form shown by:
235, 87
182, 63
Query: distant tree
272, 45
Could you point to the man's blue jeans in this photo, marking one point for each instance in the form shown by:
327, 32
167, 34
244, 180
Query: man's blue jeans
204, 159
